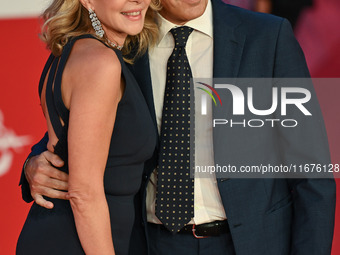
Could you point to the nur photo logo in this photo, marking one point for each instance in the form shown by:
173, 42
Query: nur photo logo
259, 101
204, 97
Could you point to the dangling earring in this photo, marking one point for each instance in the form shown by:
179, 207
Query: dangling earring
96, 24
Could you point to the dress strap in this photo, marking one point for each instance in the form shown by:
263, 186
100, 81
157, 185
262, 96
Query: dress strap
44, 73
58, 100
52, 111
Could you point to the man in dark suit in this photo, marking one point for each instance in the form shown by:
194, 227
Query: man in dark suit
237, 216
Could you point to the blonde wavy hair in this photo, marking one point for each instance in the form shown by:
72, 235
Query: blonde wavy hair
65, 19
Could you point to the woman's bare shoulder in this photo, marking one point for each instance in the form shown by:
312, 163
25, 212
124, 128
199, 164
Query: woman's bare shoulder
91, 63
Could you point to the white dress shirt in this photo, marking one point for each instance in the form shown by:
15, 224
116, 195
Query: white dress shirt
199, 48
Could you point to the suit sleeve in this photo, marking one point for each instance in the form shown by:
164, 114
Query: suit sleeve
313, 198
37, 149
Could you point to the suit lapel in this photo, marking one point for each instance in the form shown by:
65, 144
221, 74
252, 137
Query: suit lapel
228, 41
141, 70
228, 49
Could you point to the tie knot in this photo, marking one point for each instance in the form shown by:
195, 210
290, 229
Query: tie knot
181, 35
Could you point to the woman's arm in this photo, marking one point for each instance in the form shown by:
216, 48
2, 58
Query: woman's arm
92, 89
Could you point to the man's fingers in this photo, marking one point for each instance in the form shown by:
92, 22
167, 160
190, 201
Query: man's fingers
59, 175
53, 193
57, 184
42, 202
38, 171
39, 192
54, 159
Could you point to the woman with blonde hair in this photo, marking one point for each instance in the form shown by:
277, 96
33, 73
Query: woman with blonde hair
98, 123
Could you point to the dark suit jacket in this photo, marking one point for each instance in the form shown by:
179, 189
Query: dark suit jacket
265, 216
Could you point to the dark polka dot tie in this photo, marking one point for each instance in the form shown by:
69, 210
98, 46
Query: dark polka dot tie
175, 188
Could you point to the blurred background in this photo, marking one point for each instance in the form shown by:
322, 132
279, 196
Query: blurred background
316, 25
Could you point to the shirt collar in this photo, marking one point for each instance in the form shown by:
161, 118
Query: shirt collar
201, 24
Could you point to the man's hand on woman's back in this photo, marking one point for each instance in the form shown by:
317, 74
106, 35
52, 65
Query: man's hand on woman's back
45, 180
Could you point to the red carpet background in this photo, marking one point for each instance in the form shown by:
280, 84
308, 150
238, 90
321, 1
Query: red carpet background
22, 57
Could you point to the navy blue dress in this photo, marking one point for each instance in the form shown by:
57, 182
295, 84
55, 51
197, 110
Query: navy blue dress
53, 231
